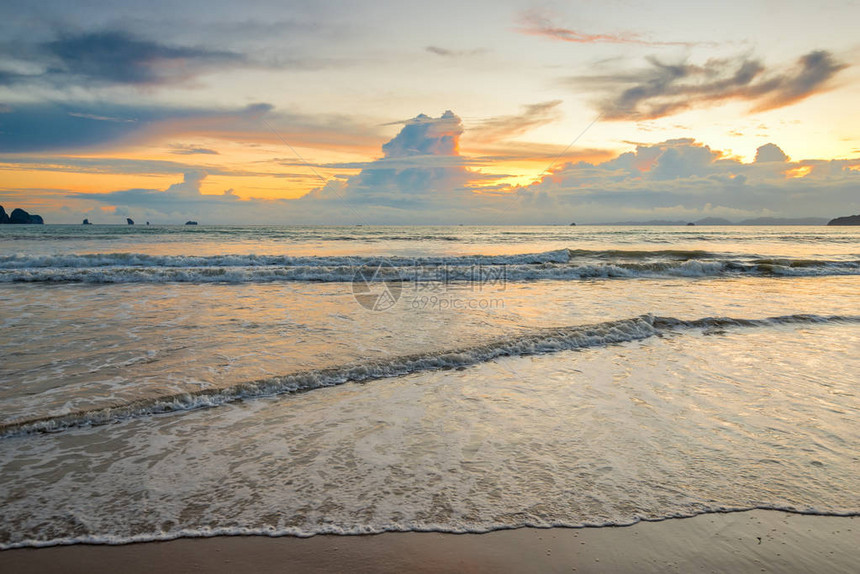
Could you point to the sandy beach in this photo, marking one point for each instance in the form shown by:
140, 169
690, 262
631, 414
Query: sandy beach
755, 541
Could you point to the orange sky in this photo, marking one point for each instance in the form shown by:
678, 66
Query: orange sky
90, 104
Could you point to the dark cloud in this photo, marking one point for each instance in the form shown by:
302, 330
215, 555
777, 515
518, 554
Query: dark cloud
113, 57
48, 126
539, 23
664, 89
41, 127
811, 73
59, 126
118, 57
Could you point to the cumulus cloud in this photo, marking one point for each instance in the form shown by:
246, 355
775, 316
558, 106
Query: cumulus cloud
421, 179
178, 202
686, 179
180, 198
662, 89
769, 153
421, 171
424, 135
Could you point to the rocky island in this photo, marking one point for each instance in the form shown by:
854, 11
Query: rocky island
20, 216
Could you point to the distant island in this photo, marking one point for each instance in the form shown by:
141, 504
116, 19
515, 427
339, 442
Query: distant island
19, 216
847, 220
721, 221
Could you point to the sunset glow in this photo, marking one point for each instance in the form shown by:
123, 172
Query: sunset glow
299, 100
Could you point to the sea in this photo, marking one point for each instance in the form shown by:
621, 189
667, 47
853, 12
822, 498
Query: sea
159, 382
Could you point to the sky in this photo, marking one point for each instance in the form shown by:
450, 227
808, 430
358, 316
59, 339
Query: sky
484, 112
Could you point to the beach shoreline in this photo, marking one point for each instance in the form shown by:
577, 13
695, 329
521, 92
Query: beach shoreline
749, 541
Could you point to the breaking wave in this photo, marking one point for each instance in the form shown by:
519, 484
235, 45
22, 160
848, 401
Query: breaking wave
532, 343
562, 264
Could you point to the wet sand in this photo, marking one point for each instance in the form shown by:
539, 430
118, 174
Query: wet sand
755, 541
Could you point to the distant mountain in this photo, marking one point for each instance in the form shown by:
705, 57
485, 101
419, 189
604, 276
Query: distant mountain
713, 221
847, 220
783, 221
721, 221
644, 223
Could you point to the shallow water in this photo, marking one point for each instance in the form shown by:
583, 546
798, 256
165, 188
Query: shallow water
535, 394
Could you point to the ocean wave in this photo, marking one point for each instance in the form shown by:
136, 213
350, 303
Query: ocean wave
101, 260
561, 264
456, 528
532, 343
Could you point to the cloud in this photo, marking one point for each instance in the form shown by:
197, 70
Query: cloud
70, 126
770, 153
180, 149
114, 57
663, 89
180, 198
539, 23
422, 179
505, 127
685, 179
421, 169
41, 127
127, 166
446, 53
118, 57
101, 118
46, 126
811, 73
675, 179
424, 135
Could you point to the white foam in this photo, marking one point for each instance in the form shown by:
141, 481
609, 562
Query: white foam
443, 528
533, 343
